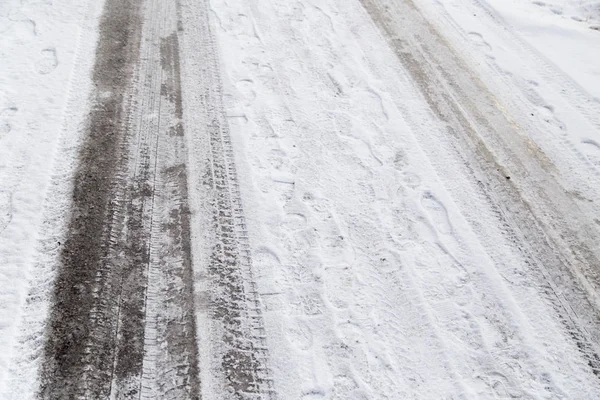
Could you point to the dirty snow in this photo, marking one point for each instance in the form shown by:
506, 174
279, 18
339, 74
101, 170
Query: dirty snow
381, 270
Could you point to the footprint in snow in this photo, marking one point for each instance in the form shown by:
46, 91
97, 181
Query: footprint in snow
344, 387
277, 158
5, 126
477, 39
9, 111
47, 62
299, 334
437, 212
400, 160
246, 88
339, 284
294, 222
411, 180
265, 257
6, 205
308, 304
592, 151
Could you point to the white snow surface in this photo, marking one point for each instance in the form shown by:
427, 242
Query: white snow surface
564, 31
382, 272
542, 60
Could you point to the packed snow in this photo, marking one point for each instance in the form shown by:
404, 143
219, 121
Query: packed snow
383, 270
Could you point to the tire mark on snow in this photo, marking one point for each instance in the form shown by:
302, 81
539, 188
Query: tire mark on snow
238, 362
170, 367
557, 258
122, 324
29, 343
78, 351
579, 99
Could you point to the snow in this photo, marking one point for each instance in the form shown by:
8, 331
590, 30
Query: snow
542, 68
561, 31
45, 51
383, 270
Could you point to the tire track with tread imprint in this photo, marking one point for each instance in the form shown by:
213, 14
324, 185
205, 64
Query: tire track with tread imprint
237, 358
122, 324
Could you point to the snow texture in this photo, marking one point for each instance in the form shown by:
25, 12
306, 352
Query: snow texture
46, 54
383, 267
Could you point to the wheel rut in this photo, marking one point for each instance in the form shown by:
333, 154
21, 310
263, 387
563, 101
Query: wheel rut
122, 323
559, 249
234, 351
80, 334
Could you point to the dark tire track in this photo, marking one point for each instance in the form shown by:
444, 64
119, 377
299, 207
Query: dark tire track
84, 284
123, 312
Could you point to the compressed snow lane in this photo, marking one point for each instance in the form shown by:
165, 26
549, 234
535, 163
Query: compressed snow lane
121, 322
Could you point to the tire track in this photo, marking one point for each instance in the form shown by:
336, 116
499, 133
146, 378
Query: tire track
78, 360
580, 100
23, 376
558, 251
237, 357
122, 324
170, 365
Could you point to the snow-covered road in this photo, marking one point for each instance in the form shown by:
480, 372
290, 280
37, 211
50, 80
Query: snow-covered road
334, 199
